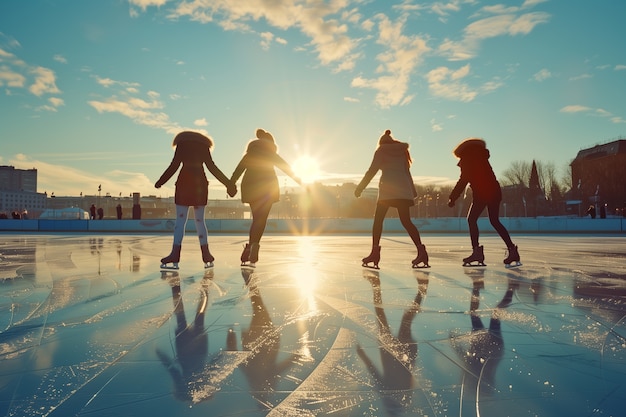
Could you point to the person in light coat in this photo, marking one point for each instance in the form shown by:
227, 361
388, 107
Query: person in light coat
395, 189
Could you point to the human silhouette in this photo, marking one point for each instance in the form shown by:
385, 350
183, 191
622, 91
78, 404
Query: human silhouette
193, 151
92, 211
196, 377
395, 189
397, 354
261, 339
100, 213
118, 211
482, 349
259, 187
476, 171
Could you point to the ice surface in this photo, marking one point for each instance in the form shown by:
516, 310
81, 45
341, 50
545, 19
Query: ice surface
90, 326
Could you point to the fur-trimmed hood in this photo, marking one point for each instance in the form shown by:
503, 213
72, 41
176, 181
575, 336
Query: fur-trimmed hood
192, 137
472, 148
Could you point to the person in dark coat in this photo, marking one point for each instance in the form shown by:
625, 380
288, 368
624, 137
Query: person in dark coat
486, 193
259, 186
92, 211
395, 189
100, 213
193, 151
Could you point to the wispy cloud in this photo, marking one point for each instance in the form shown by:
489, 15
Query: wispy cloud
542, 75
590, 111
16, 74
128, 102
508, 24
65, 180
402, 54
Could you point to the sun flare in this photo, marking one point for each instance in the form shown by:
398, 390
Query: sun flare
307, 169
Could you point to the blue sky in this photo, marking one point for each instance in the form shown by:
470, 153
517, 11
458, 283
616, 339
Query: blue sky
93, 92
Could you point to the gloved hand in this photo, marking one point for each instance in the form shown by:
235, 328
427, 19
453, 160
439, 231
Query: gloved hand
450, 203
232, 190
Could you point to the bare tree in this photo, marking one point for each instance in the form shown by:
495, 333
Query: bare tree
517, 174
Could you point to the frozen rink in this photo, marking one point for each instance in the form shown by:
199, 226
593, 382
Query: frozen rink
90, 326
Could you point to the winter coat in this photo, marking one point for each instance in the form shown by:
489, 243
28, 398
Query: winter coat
259, 182
395, 182
193, 152
477, 172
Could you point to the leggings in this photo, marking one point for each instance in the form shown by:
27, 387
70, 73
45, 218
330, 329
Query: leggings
405, 219
260, 212
182, 213
493, 208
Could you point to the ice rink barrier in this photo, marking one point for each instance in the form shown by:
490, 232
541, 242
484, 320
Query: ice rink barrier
318, 226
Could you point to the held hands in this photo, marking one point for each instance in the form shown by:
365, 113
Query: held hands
231, 189
450, 203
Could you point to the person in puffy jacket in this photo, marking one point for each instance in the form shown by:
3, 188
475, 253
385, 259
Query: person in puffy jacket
259, 187
193, 151
395, 189
486, 193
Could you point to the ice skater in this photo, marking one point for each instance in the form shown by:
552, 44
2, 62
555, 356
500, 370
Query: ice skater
486, 193
395, 189
193, 151
259, 187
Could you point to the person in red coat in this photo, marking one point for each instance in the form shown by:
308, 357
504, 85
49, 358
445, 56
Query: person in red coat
193, 151
486, 193
395, 189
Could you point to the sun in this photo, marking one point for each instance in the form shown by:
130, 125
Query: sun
307, 169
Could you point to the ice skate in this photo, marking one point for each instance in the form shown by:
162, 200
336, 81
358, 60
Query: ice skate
422, 258
245, 255
171, 260
207, 258
512, 260
477, 258
373, 258
253, 255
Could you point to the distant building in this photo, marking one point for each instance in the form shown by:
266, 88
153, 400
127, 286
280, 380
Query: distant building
18, 192
599, 176
12, 179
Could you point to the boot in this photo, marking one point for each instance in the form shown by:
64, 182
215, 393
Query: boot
373, 258
245, 255
422, 257
207, 258
254, 253
477, 256
512, 259
173, 258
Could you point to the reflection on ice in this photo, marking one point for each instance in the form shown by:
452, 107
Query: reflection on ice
89, 325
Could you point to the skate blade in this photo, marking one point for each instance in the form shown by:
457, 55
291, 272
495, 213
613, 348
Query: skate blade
420, 266
374, 266
250, 265
208, 265
513, 265
170, 267
474, 265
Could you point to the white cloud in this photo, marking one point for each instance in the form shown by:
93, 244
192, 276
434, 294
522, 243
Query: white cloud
620, 67
446, 83
60, 58
542, 75
400, 57
64, 180
575, 108
600, 112
143, 111
201, 122
490, 27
